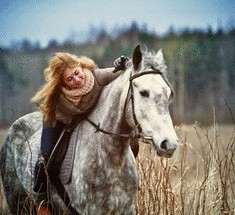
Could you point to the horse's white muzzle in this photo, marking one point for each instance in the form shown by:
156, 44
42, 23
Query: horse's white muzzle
167, 148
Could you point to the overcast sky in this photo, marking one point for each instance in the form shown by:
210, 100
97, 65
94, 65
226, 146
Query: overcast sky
42, 20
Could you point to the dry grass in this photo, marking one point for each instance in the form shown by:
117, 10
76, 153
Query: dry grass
199, 179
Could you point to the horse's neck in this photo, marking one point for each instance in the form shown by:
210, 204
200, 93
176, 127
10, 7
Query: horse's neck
109, 110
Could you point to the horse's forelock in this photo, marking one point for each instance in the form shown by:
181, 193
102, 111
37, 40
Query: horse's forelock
150, 61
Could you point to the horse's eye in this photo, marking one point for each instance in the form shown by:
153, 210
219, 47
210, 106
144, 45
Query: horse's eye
144, 93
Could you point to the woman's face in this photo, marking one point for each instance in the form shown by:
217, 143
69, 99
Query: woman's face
74, 78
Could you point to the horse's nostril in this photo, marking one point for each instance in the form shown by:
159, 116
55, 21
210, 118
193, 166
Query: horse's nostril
164, 145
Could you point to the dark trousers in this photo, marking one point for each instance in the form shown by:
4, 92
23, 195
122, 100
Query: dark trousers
49, 137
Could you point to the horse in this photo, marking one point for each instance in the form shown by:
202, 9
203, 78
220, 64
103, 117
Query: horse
104, 179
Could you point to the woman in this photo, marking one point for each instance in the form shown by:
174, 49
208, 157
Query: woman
73, 87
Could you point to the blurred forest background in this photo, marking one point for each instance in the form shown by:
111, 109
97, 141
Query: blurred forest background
201, 64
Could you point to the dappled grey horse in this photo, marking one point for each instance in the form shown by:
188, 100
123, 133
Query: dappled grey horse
104, 179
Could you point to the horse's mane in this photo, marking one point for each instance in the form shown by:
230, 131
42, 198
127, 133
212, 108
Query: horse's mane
150, 60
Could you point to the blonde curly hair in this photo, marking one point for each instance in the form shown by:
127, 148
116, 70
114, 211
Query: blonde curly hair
47, 95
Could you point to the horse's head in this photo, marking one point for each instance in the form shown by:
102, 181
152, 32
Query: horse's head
151, 96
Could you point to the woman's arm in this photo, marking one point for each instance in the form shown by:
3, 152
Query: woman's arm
105, 76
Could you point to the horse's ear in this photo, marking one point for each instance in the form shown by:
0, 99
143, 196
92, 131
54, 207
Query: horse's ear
137, 57
160, 58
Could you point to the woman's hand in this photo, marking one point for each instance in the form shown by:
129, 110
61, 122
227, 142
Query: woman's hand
120, 63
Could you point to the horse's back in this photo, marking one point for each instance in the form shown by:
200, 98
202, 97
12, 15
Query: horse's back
14, 157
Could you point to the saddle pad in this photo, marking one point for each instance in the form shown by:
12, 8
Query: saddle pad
67, 164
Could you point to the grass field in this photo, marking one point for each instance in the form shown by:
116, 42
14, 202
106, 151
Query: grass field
199, 179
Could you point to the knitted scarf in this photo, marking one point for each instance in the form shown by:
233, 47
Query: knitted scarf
75, 95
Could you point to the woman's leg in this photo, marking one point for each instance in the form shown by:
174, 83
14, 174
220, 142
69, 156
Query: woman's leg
49, 138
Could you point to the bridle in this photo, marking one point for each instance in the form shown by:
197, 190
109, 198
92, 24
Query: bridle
131, 93
130, 96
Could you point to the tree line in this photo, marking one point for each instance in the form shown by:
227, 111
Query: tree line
201, 64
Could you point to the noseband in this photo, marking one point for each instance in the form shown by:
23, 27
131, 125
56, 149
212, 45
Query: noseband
130, 96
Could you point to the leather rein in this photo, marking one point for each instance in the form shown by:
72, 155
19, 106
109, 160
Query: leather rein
130, 94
